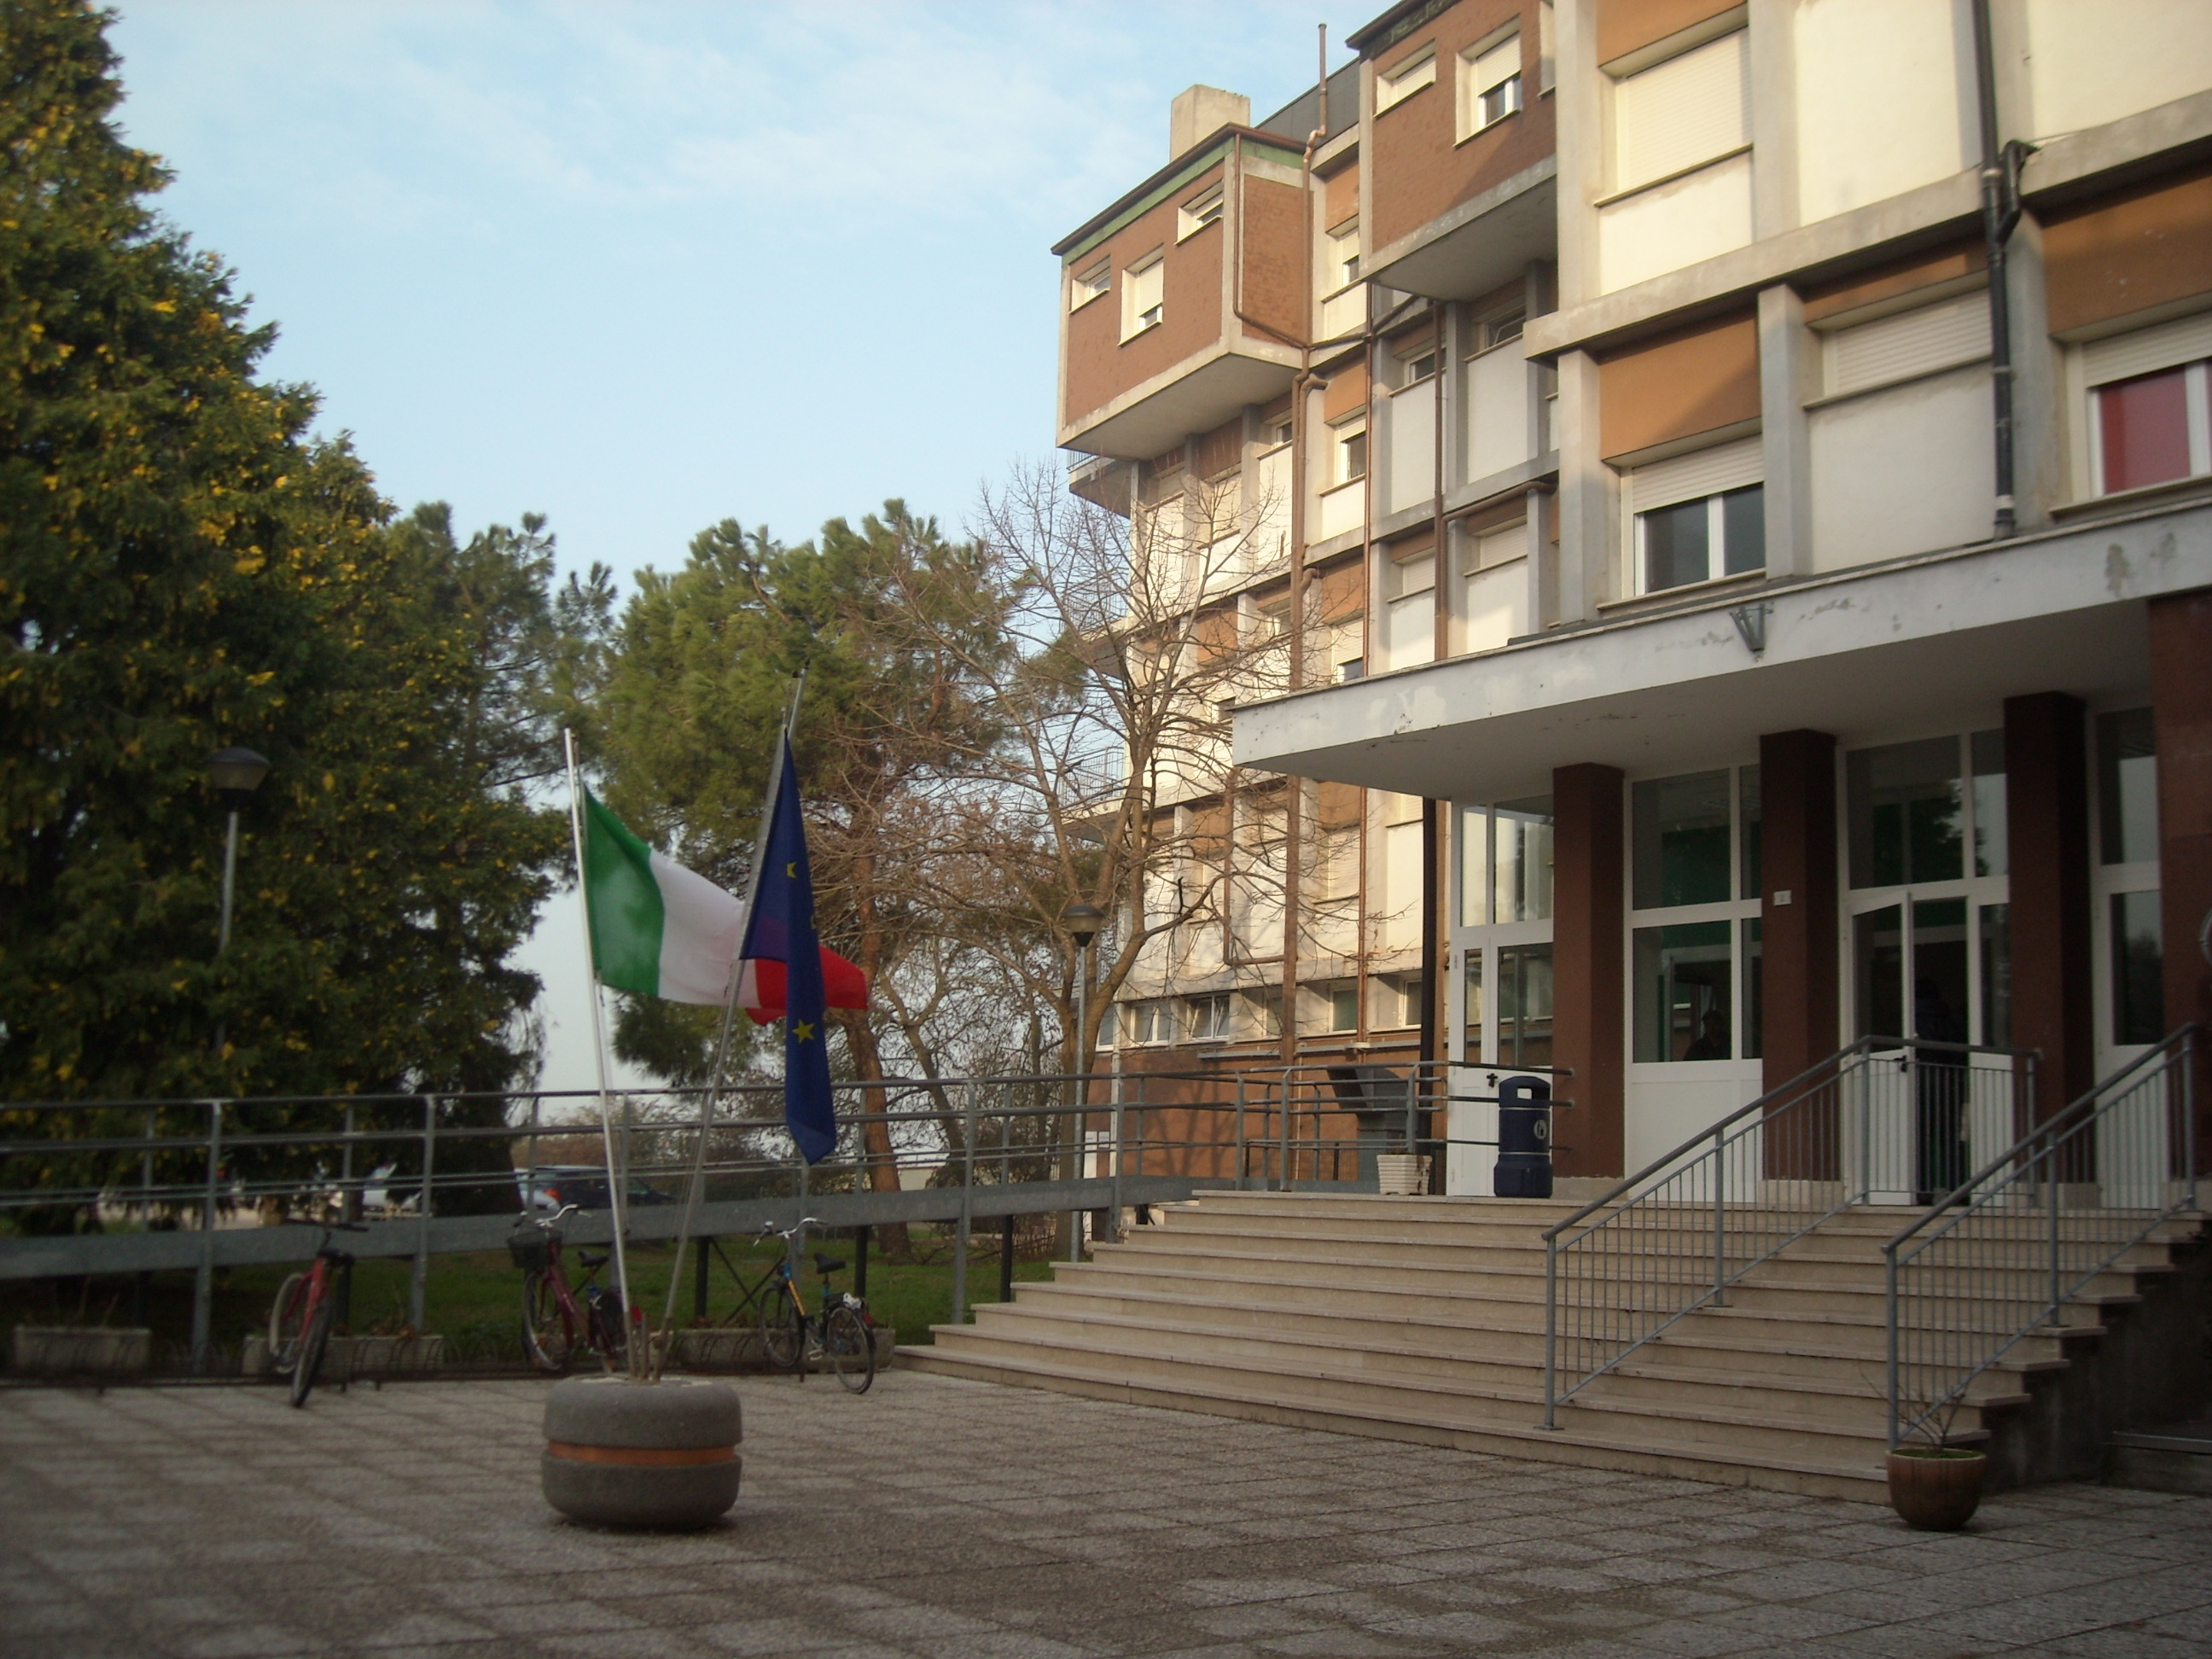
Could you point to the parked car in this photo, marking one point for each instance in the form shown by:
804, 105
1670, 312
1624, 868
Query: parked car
584, 1185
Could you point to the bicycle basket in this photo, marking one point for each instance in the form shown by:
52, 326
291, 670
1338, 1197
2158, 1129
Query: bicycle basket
529, 1251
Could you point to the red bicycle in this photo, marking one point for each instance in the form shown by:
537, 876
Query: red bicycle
555, 1318
306, 1307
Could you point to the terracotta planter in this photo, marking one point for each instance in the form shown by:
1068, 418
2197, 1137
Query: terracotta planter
1935, 1491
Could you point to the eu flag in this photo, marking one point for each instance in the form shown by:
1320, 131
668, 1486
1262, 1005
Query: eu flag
781, 928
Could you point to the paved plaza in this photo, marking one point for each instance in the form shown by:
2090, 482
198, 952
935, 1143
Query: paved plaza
947, 1519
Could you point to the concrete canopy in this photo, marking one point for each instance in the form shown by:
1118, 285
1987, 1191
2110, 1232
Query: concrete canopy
1865, 653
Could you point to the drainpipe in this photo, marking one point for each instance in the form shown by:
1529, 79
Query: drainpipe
2000, 177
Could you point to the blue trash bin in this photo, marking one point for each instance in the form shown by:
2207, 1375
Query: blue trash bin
1524, 1139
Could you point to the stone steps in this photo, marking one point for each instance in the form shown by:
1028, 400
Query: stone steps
1422, 1319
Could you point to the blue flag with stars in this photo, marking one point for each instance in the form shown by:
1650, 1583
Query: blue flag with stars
781, 928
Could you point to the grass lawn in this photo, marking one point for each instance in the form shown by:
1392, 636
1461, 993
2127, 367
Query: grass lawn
475, 1299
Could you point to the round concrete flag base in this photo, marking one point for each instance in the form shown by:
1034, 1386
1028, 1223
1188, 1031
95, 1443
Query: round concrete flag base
620, 1453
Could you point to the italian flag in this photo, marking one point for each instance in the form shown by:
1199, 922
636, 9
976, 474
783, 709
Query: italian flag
660, 930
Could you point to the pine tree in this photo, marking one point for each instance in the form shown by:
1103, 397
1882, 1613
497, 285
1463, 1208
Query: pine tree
183, 567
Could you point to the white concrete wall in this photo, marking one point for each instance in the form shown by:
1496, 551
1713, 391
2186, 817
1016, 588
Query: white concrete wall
1409, 441
2086, 62
1885, 98
1904, 470
1409, 631
1495, 605
1341, 510
1667, 1104
1673, 225
1497, 410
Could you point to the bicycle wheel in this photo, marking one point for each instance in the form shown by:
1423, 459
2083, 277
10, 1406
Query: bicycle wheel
782, 1331
312, 1345
548, 1336
850, 1348
610, 1330
288, 1323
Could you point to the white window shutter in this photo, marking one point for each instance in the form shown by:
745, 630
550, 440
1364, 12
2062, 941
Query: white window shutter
2147, 350
1700, 472
1909, 343
1686, 110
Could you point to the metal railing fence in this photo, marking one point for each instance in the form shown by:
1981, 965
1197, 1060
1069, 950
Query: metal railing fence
2000, 1254
1883, 1120
122, 1186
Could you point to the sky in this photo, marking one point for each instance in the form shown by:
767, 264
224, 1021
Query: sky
643, 267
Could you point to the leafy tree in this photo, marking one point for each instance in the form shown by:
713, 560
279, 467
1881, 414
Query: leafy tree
182, 567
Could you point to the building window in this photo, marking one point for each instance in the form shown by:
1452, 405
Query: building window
1700, 540
1343, 254
1343, 1008
1209, 1018
1199, 212
1490, 85
1695, 977
2150, 405
2138, 970
1693, 108
1142, 305
1402, 81
1416, 363
1153, 1023
1085, 286
1264, 1007
2127, 788
2152, 430
1352, 451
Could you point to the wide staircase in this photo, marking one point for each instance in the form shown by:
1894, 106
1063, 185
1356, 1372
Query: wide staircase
1422, 1319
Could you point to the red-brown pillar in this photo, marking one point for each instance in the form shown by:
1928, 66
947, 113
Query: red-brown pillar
1587, 970
2181, 723
2047, 828
1797, 910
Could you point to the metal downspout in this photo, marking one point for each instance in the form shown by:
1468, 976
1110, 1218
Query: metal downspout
1999, 181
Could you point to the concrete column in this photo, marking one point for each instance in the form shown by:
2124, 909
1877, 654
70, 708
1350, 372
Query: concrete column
1581, 129
2181, 719
2047, 828
1588, 498
1773, 117
1788, 370
2040, 476
1588, 983
1798, 909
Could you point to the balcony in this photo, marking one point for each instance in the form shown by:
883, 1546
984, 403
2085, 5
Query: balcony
1183, 302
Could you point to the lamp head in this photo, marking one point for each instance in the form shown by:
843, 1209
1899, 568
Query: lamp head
1083, 922
235, 774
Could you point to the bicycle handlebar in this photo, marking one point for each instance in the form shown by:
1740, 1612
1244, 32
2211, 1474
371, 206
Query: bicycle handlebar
770, 1230
547, 1223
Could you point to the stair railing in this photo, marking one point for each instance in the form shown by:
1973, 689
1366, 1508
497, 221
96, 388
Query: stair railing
1997, 1261
1883, 1120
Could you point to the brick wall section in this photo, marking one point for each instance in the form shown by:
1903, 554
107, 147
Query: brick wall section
2047, 831
1273, 290
2181, 712
2123, 253
1419, 167
1799, 944
1588, 990
1694, 380
1100, 367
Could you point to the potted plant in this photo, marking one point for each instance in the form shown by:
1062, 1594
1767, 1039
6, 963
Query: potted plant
1935, 1487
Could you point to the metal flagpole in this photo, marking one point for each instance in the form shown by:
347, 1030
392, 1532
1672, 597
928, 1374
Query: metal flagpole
729, 1018
617, 1198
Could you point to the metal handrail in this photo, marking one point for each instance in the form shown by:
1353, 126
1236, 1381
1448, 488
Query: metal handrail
1679, 1206
2036, 1165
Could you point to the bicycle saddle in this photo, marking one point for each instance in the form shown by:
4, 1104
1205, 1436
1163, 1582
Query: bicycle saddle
590, 1260
826, 1264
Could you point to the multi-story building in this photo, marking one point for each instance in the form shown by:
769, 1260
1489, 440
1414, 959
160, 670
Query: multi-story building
1736, 481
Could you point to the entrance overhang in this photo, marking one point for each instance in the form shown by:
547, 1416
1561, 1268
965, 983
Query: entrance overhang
1865, 653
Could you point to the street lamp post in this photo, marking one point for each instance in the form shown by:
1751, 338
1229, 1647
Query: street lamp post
235, 774
1083, 922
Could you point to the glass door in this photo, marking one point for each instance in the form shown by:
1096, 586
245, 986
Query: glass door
1501, 995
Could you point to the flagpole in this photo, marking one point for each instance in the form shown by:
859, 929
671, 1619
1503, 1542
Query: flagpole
729, 1016
615, 1195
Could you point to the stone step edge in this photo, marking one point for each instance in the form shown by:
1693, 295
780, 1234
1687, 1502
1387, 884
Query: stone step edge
1779, 1382
1669, 1411
1851, 1482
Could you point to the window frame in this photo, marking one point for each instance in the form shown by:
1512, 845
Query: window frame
1083, 290
1135, 322
1394, 85
1201, 210
1716, 542
1473, 121
1342, 434
1744, 906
